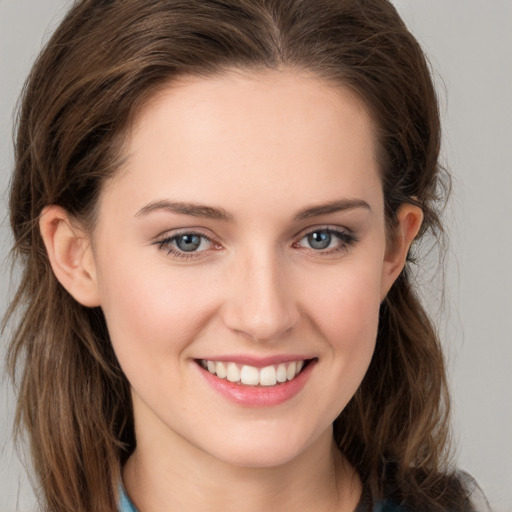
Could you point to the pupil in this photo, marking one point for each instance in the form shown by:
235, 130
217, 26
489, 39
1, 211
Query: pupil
319, 239
188, 242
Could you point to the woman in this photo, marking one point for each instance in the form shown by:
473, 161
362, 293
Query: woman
214, 203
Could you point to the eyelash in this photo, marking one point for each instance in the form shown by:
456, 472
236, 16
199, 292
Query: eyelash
165, 244
345, 237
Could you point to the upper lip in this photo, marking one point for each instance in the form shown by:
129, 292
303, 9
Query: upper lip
258, 362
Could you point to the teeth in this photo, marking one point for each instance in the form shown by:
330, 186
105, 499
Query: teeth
291, 371
249, 376
252, 376
281, 373
233, 373
221, 371
268, 376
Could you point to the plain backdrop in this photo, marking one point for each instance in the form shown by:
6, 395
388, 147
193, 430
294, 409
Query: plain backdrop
469, 43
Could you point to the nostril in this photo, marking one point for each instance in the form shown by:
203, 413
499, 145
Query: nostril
260, 306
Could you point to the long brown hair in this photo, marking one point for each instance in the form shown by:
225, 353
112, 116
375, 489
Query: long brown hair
103, 62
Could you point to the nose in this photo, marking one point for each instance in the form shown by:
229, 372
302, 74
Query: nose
261, 304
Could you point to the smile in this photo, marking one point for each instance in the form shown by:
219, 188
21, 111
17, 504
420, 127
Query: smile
247, 375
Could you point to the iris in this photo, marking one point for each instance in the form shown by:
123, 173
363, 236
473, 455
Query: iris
320, 239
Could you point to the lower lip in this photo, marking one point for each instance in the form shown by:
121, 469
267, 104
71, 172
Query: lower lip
258, 396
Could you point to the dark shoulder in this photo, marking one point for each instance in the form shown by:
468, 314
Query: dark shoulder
475, 497
418, 492
450, 492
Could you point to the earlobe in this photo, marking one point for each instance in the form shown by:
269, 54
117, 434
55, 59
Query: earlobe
70, 254
409, 220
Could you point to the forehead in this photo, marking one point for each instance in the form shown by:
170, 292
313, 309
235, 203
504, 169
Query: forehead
273, 132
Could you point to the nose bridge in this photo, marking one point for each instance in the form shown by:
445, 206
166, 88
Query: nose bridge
262, 305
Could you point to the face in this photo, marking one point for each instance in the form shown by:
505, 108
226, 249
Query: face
240, 261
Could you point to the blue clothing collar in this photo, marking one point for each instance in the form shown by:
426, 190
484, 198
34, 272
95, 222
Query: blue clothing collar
125, 505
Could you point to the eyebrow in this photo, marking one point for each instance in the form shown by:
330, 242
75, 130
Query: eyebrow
332, 207
210, 212
181, 208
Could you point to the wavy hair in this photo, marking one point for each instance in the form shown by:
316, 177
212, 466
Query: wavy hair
105, 60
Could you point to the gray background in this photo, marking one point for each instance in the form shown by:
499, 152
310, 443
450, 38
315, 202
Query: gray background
469, 43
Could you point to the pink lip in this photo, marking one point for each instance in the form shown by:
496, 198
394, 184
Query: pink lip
258, 396
259, 362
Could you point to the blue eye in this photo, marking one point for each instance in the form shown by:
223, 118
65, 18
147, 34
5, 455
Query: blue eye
188, 242
319, 239
184, 244
324, 239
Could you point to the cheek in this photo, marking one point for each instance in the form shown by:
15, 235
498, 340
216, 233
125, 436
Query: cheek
347, 308
346, 315
152, 313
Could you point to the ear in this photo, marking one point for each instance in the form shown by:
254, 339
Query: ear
70, 254
409, 219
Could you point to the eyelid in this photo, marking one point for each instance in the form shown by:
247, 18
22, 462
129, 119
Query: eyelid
346, 236
185, 230
164, 242
323, 227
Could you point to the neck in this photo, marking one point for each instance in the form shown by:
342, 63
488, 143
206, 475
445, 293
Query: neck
176, 476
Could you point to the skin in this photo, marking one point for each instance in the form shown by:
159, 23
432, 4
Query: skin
261, 148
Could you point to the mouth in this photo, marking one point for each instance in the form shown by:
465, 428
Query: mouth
247, 375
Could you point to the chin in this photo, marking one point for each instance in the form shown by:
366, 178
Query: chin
268, 448
258, 458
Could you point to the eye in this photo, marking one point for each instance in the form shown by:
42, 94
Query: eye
185, 244
327, 240
320, 240
190, 242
